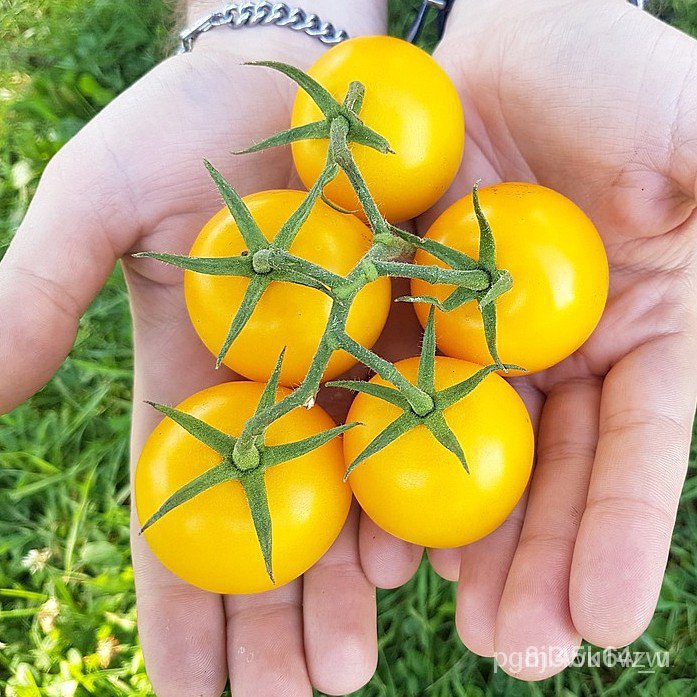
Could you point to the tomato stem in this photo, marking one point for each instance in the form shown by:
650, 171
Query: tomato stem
420, 401
474, 279
354, 97
341, 154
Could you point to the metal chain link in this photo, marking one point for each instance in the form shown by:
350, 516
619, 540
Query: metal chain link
249, 14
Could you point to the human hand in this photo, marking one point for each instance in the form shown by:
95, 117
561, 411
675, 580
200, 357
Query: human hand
134, 180
598, 101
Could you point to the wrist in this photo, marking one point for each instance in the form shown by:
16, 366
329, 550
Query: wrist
357, 17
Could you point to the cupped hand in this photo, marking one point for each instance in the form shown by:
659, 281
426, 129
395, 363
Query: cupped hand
599, 101
133, 179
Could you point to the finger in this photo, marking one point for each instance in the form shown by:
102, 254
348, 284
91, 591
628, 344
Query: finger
387, 561
265, 644
446, 562
484, 564
646, 415
117, 178
340, 617
534, 608
181, 628
484, 567
61, 255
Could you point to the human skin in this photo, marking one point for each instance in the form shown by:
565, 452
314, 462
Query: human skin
599, 101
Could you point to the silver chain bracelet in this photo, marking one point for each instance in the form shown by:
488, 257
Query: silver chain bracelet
249, 14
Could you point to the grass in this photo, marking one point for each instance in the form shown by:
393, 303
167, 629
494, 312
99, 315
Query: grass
63, 455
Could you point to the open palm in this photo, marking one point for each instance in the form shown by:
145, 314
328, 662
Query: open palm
598, 101
134, 180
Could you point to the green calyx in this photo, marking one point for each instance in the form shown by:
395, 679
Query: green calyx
246, 466
342, 127
263, 262
332, 110
434, 418
498, 281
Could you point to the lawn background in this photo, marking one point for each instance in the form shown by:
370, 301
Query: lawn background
63, 455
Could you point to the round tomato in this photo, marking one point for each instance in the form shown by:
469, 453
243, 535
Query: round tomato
210, 541
418, 490
411, 102
559, 269
287, 315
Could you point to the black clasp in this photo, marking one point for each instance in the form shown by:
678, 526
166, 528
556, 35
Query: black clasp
441, 6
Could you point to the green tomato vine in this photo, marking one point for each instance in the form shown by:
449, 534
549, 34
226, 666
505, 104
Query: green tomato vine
245, 458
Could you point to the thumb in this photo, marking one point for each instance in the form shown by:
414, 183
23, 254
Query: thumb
64, 250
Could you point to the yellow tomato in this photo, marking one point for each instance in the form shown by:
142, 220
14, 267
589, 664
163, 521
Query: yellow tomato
418, 490
210, 540
559, 269
288, 315
411, 102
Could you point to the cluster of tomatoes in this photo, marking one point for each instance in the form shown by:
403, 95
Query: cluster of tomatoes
439, 448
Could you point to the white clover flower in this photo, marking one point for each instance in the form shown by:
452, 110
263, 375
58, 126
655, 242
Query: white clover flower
47, 615
106, 650
36, 559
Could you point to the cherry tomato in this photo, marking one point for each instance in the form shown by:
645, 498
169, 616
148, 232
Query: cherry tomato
210, 541
559, 269
411, 102
418, 490
288, 315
